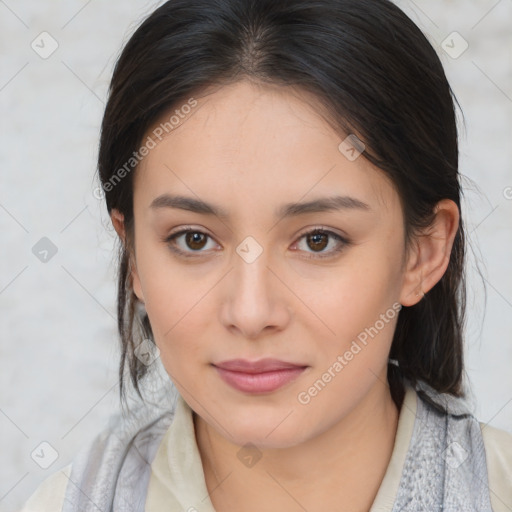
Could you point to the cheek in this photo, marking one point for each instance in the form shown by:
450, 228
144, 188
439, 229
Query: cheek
352, 294
354, 306
174, 298
179, 322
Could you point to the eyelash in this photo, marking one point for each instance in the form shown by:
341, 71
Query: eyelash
318, 230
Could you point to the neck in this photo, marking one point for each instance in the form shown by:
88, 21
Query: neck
340, 469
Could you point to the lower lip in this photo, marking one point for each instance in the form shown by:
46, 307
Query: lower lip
259, 382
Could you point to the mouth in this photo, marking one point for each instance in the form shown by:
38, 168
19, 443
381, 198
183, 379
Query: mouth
263, 376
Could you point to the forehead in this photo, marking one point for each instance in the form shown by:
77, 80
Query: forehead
247, 143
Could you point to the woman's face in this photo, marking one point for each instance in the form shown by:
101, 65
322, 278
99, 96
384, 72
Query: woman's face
248, 282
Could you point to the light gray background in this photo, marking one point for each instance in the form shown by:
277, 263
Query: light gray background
59, 352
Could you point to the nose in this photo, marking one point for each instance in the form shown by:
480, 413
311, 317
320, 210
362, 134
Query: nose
256, 301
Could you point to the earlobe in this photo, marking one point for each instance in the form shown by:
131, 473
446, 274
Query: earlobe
118, 223
430, 258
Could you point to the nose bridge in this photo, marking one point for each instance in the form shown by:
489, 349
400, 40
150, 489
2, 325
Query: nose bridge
254, 300
251, 274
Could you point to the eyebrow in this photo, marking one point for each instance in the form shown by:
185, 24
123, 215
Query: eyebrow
324, 204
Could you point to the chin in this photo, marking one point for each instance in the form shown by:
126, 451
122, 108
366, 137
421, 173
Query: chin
271, 433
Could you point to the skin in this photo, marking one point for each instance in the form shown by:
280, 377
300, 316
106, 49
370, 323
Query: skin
250, 148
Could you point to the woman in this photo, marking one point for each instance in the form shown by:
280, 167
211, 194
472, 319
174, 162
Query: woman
283, 178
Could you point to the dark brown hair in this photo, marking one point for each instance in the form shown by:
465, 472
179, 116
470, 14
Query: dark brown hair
373, 70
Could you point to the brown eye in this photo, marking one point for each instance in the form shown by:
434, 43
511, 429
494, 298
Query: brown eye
189, 241
317, 240
195, 240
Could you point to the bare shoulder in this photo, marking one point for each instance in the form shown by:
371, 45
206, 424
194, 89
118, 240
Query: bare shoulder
49, 495
498, 453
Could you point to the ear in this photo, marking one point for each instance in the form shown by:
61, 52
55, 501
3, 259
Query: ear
428, 259
118, 223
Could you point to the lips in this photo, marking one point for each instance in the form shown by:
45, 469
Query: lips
260, 366
263, 376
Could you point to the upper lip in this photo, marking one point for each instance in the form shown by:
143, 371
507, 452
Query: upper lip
260, 366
